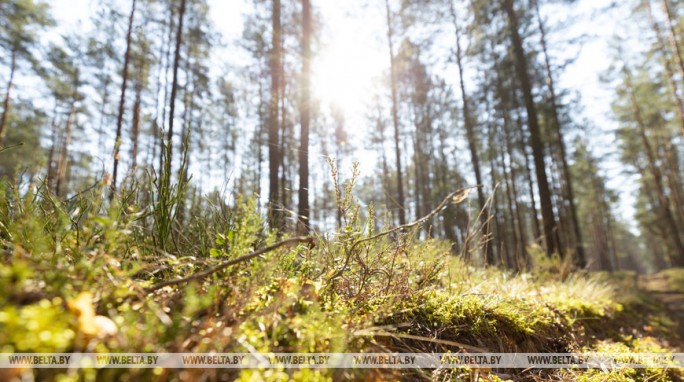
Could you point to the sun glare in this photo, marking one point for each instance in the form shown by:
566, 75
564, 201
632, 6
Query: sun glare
345, 75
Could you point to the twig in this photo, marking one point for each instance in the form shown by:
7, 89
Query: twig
382, 333
226, 264
455, 197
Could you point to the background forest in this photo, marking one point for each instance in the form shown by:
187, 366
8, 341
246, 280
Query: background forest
319, 176
467, 95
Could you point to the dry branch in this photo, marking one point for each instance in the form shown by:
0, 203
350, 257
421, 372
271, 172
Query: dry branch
455, 197
226, 264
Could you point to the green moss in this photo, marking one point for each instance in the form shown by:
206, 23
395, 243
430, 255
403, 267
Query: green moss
288, 300
44, 327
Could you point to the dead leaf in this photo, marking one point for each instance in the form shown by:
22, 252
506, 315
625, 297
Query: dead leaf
461, 196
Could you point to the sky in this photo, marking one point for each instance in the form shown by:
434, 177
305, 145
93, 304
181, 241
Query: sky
353, 56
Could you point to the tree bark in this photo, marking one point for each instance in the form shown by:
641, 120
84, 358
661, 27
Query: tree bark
663, 200
64, 153
122, 99
6, 109
580, 260
51, 166
395, 117
470, 132
672, 33
167, 64
174, 84
674, 88
274, 120
135, 133
305, 115
549, 221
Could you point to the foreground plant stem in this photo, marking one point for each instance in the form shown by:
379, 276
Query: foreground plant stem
455, 197
226, 264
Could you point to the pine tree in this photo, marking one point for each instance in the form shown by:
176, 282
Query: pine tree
304, 223
22, 22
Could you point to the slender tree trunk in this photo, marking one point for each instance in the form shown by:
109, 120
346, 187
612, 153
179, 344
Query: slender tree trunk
498, 237
667, 64
135, 133
580, 259
167, 64
6, 109
611, 233
530, 187
274, 121
521, 260
511, 255
674, 180
174, 84
672, 33
64, 153
549, 221
103, 115
122, 99
427, 167
156, 125
51, 166
284, 142
395, 117
258, 135
186, 128
663, 200
305, 114
444, 187
470, 132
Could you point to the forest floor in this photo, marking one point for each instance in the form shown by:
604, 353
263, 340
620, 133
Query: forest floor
666, 287
83, 276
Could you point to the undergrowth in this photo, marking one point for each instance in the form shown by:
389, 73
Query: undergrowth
74, 273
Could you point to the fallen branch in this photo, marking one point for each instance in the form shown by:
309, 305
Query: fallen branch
381, 333
226, 264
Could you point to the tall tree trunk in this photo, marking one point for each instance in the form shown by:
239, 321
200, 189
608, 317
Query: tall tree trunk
470, 133
305, 114
103, 114
443, 176
580, 259
135, 133
674, 180
663, 200
122, 99
667, 64
64, 152
522, 234
549, 221
530, 187
274, 121
521, 257
174, 84
156, 124
51, 165
285, 142
672, 23
498, 237
167, 64
6, 109
186, 128
395, 116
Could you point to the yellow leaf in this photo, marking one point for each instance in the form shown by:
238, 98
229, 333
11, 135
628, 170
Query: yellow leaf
90, 324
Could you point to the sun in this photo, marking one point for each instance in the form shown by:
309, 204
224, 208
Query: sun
345, 74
